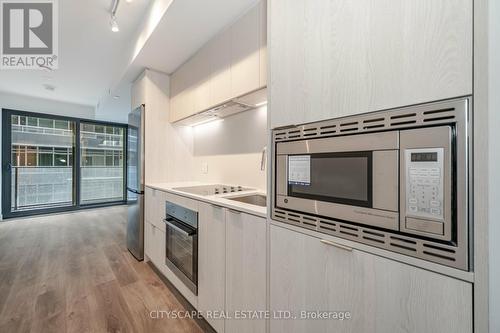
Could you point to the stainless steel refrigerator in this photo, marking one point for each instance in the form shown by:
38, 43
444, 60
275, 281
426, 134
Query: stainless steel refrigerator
135, 183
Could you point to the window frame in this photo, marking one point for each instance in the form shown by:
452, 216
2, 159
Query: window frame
76, 154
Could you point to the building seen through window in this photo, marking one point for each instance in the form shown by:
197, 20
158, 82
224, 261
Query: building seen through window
43, 154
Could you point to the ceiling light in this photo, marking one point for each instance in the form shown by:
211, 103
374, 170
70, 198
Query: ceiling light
114, 25
116, 97
128, 1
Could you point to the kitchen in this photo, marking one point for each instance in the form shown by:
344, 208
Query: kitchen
288, 166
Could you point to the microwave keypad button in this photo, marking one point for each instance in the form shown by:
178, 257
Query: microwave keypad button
412, 201
435, 203
435, 211
413, 209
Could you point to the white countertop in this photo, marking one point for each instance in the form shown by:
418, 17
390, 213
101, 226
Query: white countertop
218, 199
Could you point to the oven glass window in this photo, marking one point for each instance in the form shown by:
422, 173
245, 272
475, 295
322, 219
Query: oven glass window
181, 251
344, 178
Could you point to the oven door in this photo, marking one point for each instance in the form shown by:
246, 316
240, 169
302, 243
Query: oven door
352, 178
182, 251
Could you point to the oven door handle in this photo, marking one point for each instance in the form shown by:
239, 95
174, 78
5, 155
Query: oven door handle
182, 228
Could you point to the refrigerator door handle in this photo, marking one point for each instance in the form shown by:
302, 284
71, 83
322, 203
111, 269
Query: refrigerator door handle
134, 191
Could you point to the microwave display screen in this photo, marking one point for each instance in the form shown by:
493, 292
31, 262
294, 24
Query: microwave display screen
344, 178
424, 157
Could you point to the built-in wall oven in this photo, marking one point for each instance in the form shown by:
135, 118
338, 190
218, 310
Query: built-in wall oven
182, 244
395, 179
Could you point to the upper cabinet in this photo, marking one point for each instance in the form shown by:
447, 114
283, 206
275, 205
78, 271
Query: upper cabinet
245, 53
331, 58
219, 60
229, 66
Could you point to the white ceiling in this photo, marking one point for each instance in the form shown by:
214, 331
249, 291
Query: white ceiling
96, 64
165, 43
88, 52
185, 28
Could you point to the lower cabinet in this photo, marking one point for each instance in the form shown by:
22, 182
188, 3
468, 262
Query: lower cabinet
245, 272
154, 244
310, 278
212, 263
231, 269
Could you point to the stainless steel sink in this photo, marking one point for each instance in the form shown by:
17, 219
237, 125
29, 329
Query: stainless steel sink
252, 199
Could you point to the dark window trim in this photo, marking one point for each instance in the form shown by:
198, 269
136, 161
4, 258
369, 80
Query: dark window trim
7, 159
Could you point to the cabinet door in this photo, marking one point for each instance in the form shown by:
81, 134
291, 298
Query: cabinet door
381, 295
263, 44
245, 270
148, 204
201, 74
181, 101
148, 237
176, 86
219, 51
155, 245
245, 57
211, 262
155, 207
336, 58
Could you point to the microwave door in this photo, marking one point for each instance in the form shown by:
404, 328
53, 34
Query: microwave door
321, 177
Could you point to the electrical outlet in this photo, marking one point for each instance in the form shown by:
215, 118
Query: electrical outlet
204, 168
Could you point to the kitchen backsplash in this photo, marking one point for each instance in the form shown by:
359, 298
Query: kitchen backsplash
230, 150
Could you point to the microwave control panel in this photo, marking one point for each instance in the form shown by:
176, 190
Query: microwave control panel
424, 183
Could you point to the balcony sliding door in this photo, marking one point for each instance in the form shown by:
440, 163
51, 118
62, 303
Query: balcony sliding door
41, 166
55, 163
102, 164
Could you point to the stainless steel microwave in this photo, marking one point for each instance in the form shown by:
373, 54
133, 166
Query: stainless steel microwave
395, 179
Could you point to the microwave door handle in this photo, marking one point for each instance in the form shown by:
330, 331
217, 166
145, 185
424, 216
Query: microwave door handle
179, 227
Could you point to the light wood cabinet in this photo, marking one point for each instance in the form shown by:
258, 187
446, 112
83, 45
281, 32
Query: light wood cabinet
154, 203
220, 67
154, 244
245, 271
263, 44
336, 58
181, 101
212, 263
381, 295
245, 53
229, 66
201, 70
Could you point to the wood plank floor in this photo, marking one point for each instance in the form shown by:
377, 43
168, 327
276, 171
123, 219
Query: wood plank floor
73, 273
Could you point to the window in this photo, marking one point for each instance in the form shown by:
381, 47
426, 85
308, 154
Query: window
61, 124
46, 156
61, 157
44, 177
32, 121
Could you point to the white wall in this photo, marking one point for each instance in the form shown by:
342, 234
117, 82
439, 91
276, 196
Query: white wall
40, 105
494, 165
115, 110
232, 149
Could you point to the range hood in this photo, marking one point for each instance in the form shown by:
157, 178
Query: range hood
236, 105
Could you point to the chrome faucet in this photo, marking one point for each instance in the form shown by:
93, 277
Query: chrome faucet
263, 159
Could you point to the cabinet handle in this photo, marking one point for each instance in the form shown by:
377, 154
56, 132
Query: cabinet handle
234, 211
340, 246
